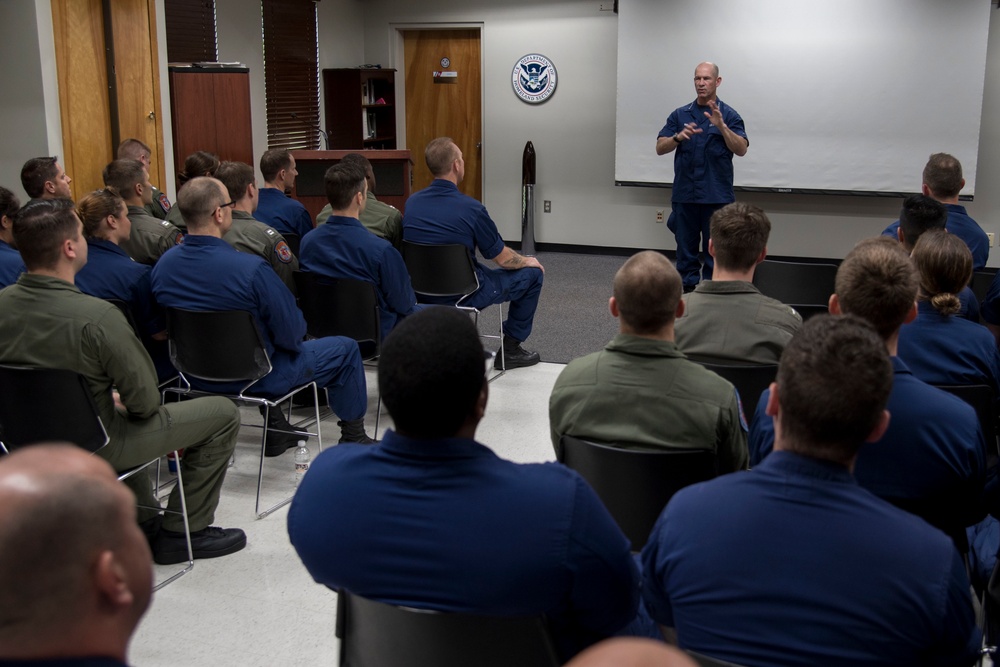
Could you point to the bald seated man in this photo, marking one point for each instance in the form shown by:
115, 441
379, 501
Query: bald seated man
75, 573
632, 652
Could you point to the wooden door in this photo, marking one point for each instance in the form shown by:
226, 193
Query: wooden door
78, 29
84, 97
450, 107
137, 73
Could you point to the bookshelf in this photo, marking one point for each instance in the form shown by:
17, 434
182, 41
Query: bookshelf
360, 108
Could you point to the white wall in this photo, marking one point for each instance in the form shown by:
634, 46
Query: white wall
29, 106
574, 132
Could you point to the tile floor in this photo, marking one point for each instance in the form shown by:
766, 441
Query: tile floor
259, 606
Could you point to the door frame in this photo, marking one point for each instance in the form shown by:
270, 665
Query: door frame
397, 59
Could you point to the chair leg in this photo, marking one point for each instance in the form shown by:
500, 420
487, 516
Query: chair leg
187, 529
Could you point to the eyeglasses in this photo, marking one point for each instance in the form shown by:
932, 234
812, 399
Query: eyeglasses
231, 204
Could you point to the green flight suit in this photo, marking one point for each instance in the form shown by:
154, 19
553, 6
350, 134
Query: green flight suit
253, 237
47, 322
731, 320
150, 238
160, 207
381, 219
638, 393
175, 218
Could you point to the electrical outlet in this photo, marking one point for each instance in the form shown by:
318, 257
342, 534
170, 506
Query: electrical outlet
659, 215
989, 235
547, 206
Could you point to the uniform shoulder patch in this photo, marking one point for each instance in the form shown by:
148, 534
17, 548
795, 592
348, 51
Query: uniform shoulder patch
283, 252
164, 202
179, 239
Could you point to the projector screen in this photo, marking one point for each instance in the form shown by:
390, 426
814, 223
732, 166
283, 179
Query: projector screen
840, 97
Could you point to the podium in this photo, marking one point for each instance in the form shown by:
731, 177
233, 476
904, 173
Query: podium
393, 176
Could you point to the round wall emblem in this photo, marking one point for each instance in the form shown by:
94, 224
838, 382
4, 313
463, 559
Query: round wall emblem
534, 78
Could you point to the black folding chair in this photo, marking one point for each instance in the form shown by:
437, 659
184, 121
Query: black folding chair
636, 484
226, 346
796, 282
376, 634
447, 271
750, 380
293, 242
342, 307
55, 405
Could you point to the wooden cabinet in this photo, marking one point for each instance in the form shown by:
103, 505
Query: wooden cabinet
392, 176
360, 108
211, 112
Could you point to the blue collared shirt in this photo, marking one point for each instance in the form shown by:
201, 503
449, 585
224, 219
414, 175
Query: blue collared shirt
964, 227
285, 214
794, 563
343, 248
703, 164
446, 524
944, 349
11, 265
931, 456
111, 274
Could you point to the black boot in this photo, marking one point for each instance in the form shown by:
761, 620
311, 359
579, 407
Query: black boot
281, 436
514, 356
354, 431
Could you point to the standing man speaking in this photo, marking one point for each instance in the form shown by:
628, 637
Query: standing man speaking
705, 135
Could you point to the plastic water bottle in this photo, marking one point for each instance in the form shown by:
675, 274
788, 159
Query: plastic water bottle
302, 460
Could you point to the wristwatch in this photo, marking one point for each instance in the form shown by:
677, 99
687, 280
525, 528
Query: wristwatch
676, 140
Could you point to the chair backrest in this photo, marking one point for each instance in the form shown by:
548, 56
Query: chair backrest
980, 284
796, 282
983, 400
293, 242
340, 307
217, 345
45, 405
129, 316
440, 270
375, 634
750, 380
635, 485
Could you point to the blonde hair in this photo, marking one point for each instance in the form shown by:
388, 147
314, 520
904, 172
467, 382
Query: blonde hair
944, 262
95, 208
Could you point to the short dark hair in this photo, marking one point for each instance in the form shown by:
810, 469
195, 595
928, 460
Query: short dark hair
647, 288
919, 214
944, 263
41, 227
199, 163
123, 176
198, 199
361, 161
943, 175
739, 234
132, 149
36, 172
95, 208
235, 176
431, 372
273, 161
9, 203
834, 381
439, 154
878, 283
343, 181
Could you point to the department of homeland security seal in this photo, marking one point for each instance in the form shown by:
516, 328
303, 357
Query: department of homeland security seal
534, 78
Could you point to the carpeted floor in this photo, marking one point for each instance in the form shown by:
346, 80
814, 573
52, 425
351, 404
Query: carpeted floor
572, 318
